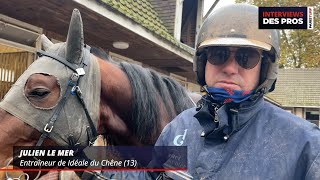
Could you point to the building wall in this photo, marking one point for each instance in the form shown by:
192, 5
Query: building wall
299, 112
310, 114
193, 87
18, 43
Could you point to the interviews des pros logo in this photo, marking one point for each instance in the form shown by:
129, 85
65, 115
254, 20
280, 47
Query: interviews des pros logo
286, 18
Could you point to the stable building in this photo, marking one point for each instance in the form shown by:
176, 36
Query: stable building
158, 34
298, 91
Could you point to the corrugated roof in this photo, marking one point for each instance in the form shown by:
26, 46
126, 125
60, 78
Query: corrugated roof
142, 12
297, 87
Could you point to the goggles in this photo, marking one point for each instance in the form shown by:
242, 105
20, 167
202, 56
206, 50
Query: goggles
247, 58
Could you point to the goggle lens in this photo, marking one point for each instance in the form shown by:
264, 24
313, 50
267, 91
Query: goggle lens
247, 58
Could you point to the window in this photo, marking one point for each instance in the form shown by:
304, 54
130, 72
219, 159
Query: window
313, 115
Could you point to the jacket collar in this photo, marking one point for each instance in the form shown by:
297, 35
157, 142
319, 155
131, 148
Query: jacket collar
229, 118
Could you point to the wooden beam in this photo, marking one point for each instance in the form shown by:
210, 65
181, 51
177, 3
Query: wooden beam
17, 45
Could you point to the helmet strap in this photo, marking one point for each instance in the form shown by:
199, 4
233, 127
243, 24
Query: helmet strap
200, 69
264, 67
266, 84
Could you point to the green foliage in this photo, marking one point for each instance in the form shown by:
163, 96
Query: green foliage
299, 48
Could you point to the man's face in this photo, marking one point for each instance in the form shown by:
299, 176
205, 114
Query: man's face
230, 75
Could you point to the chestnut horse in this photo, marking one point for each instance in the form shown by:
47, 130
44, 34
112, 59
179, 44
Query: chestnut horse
69, 96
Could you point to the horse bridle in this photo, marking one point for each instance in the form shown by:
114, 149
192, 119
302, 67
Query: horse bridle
73, 89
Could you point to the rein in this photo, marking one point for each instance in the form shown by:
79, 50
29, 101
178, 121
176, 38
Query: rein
72, 89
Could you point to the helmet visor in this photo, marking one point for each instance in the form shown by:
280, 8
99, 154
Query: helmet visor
242, 42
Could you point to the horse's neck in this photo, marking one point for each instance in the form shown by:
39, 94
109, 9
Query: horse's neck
133, 111
115, 87
115, 103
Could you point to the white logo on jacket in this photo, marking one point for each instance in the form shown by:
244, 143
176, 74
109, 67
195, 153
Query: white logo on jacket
179, 139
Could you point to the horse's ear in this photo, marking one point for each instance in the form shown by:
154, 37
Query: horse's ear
46, 43
75, 40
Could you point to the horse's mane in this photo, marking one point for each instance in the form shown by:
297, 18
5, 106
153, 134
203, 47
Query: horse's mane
148, 87
100, 53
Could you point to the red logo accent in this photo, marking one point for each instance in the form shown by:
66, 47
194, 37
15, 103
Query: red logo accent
245, 92
228, 100
230, 91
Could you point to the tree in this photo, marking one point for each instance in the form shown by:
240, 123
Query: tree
299, 48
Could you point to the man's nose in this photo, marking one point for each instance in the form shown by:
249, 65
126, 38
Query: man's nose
231, 66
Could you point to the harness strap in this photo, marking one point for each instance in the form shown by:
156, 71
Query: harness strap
41, 53
91, 130
49, 126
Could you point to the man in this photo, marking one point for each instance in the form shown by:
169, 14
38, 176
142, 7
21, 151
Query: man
234, 133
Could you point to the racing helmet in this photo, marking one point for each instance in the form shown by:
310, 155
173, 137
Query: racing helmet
237, 25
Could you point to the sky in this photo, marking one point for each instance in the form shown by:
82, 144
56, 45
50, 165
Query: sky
208, 4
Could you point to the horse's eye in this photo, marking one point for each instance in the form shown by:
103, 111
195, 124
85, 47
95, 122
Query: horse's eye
38, 93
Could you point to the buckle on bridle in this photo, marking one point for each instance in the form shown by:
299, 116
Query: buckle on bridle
47, 129
73, 79
91, 143
76, 90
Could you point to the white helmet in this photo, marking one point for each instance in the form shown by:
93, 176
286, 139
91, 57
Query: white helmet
237, 25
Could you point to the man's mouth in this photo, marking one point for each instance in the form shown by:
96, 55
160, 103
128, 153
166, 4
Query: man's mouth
227, 82
228, 85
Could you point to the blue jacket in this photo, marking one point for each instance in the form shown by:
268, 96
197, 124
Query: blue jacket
266, 142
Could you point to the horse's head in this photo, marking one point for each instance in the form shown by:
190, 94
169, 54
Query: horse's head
58, 97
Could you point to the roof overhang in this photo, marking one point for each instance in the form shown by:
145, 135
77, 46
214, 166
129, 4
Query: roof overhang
102, 27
